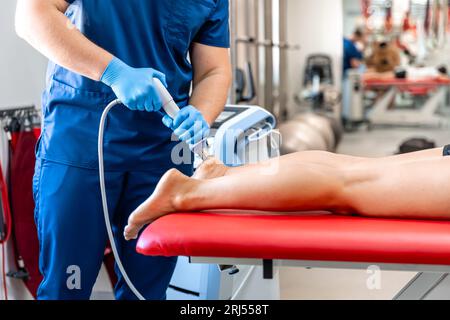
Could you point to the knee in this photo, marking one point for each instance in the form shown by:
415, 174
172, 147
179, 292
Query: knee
339, 193
356, 188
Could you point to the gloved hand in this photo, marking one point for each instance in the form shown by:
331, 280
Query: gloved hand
189, 125
134, 87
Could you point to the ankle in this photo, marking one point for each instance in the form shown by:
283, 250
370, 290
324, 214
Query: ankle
185, 198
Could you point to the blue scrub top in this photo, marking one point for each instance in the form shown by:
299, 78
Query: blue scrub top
350, 53
143, 33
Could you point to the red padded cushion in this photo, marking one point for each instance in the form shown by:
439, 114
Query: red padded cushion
312, 237
425, 83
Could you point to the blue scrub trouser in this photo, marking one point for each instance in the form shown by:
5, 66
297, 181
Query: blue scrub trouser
72, 231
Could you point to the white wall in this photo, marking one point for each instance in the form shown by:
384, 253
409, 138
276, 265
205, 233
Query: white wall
22, 69
351, 16
317, 26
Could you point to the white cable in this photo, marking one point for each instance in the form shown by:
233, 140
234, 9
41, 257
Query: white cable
171, 108
101, 169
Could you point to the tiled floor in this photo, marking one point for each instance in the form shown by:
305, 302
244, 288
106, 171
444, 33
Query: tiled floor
384, 141
345, 284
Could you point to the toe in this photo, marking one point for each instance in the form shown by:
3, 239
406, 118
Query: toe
136, 222
131, 232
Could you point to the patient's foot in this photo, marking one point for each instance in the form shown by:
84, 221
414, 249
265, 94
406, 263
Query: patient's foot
210, 169
163, 201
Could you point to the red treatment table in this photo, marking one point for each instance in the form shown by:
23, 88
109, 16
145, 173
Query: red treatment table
434, 90
429, 83
316, 240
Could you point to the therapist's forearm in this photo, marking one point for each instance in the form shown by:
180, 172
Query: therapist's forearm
42, 23
210, 94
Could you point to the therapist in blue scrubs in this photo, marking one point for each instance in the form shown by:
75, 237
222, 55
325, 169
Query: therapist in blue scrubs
353, 57
99, 51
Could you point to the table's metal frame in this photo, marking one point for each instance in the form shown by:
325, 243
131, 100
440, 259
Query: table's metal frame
382, 114
429, 277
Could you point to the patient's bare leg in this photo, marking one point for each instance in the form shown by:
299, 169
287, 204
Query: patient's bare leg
213, 168
296, 186
210, 169
389, 187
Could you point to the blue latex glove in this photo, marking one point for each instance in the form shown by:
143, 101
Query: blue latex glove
134, 87
189, 125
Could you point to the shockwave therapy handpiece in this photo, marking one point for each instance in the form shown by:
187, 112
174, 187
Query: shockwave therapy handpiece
172, 109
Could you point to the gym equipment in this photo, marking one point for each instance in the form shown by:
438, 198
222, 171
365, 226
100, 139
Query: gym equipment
20, 127
337, 127
242, 79
308, 240
300, 136
322, 125
310, 131
318, 66
2, 225
434, 89
416, 144
262, 40
240, 135
318, 84
353, 98
5, 231
400, 73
